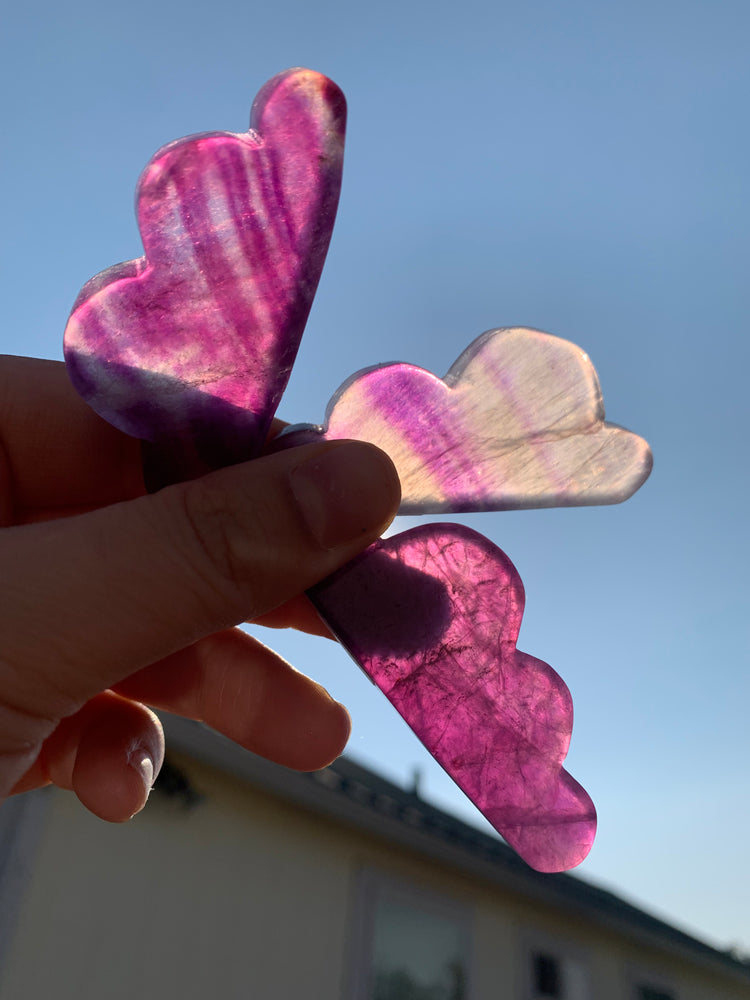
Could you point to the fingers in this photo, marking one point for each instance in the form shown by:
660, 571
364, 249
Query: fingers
119, 755
60, 454
108, 753
297, 613
244, 690
111, 750
86, 601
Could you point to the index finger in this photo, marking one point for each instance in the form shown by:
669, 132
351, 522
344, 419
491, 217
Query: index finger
60, 456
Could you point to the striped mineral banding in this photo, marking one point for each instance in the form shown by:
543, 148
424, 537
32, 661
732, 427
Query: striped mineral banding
192, 345
518, 422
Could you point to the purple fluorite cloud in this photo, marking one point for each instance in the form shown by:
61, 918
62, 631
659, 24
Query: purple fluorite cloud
517, 422
432, 615
191, 346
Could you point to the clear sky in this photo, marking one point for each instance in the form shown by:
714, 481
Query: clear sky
578, 167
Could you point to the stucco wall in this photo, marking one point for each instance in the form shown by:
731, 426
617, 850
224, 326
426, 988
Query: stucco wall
222, 901
246, 897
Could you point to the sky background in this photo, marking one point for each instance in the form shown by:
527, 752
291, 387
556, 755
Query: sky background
577, 167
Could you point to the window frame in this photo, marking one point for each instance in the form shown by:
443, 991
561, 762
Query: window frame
566, 951
640, 977
373, 885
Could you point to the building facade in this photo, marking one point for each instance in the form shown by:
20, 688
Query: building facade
244, 880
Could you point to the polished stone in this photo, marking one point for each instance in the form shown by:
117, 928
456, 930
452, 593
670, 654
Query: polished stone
518, 422
432, 616
190, 346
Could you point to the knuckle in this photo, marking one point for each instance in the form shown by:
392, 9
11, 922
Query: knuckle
219, 532
21, 737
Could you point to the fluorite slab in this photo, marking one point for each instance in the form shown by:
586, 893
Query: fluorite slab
432, 615
190, 347
517, 422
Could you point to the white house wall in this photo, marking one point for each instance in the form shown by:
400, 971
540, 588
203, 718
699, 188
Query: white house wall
246, 897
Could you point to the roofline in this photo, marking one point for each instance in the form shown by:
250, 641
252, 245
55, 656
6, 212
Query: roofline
356, 797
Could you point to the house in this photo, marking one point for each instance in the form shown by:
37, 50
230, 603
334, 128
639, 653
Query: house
244, 880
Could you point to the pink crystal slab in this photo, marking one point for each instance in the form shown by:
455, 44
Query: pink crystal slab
517, 422
190, 347
432, 616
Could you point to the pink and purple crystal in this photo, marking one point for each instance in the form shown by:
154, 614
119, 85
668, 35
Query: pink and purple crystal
190, 347
518, 422
432, 615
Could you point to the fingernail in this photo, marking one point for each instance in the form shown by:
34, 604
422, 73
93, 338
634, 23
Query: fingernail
141, 762
346, 491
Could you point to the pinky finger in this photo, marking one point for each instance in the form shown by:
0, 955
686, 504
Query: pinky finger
108, 753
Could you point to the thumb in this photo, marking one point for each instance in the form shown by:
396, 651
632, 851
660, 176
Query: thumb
88, 600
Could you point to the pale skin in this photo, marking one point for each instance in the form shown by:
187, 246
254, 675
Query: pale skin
112, 600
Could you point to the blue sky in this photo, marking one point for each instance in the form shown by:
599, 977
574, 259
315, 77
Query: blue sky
577, 167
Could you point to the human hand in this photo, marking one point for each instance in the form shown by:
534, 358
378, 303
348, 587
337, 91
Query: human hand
111, 600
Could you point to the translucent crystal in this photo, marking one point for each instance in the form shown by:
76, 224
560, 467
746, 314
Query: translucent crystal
432, 616
517, 422
191, 346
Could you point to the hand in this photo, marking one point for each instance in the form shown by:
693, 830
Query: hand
111, 600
